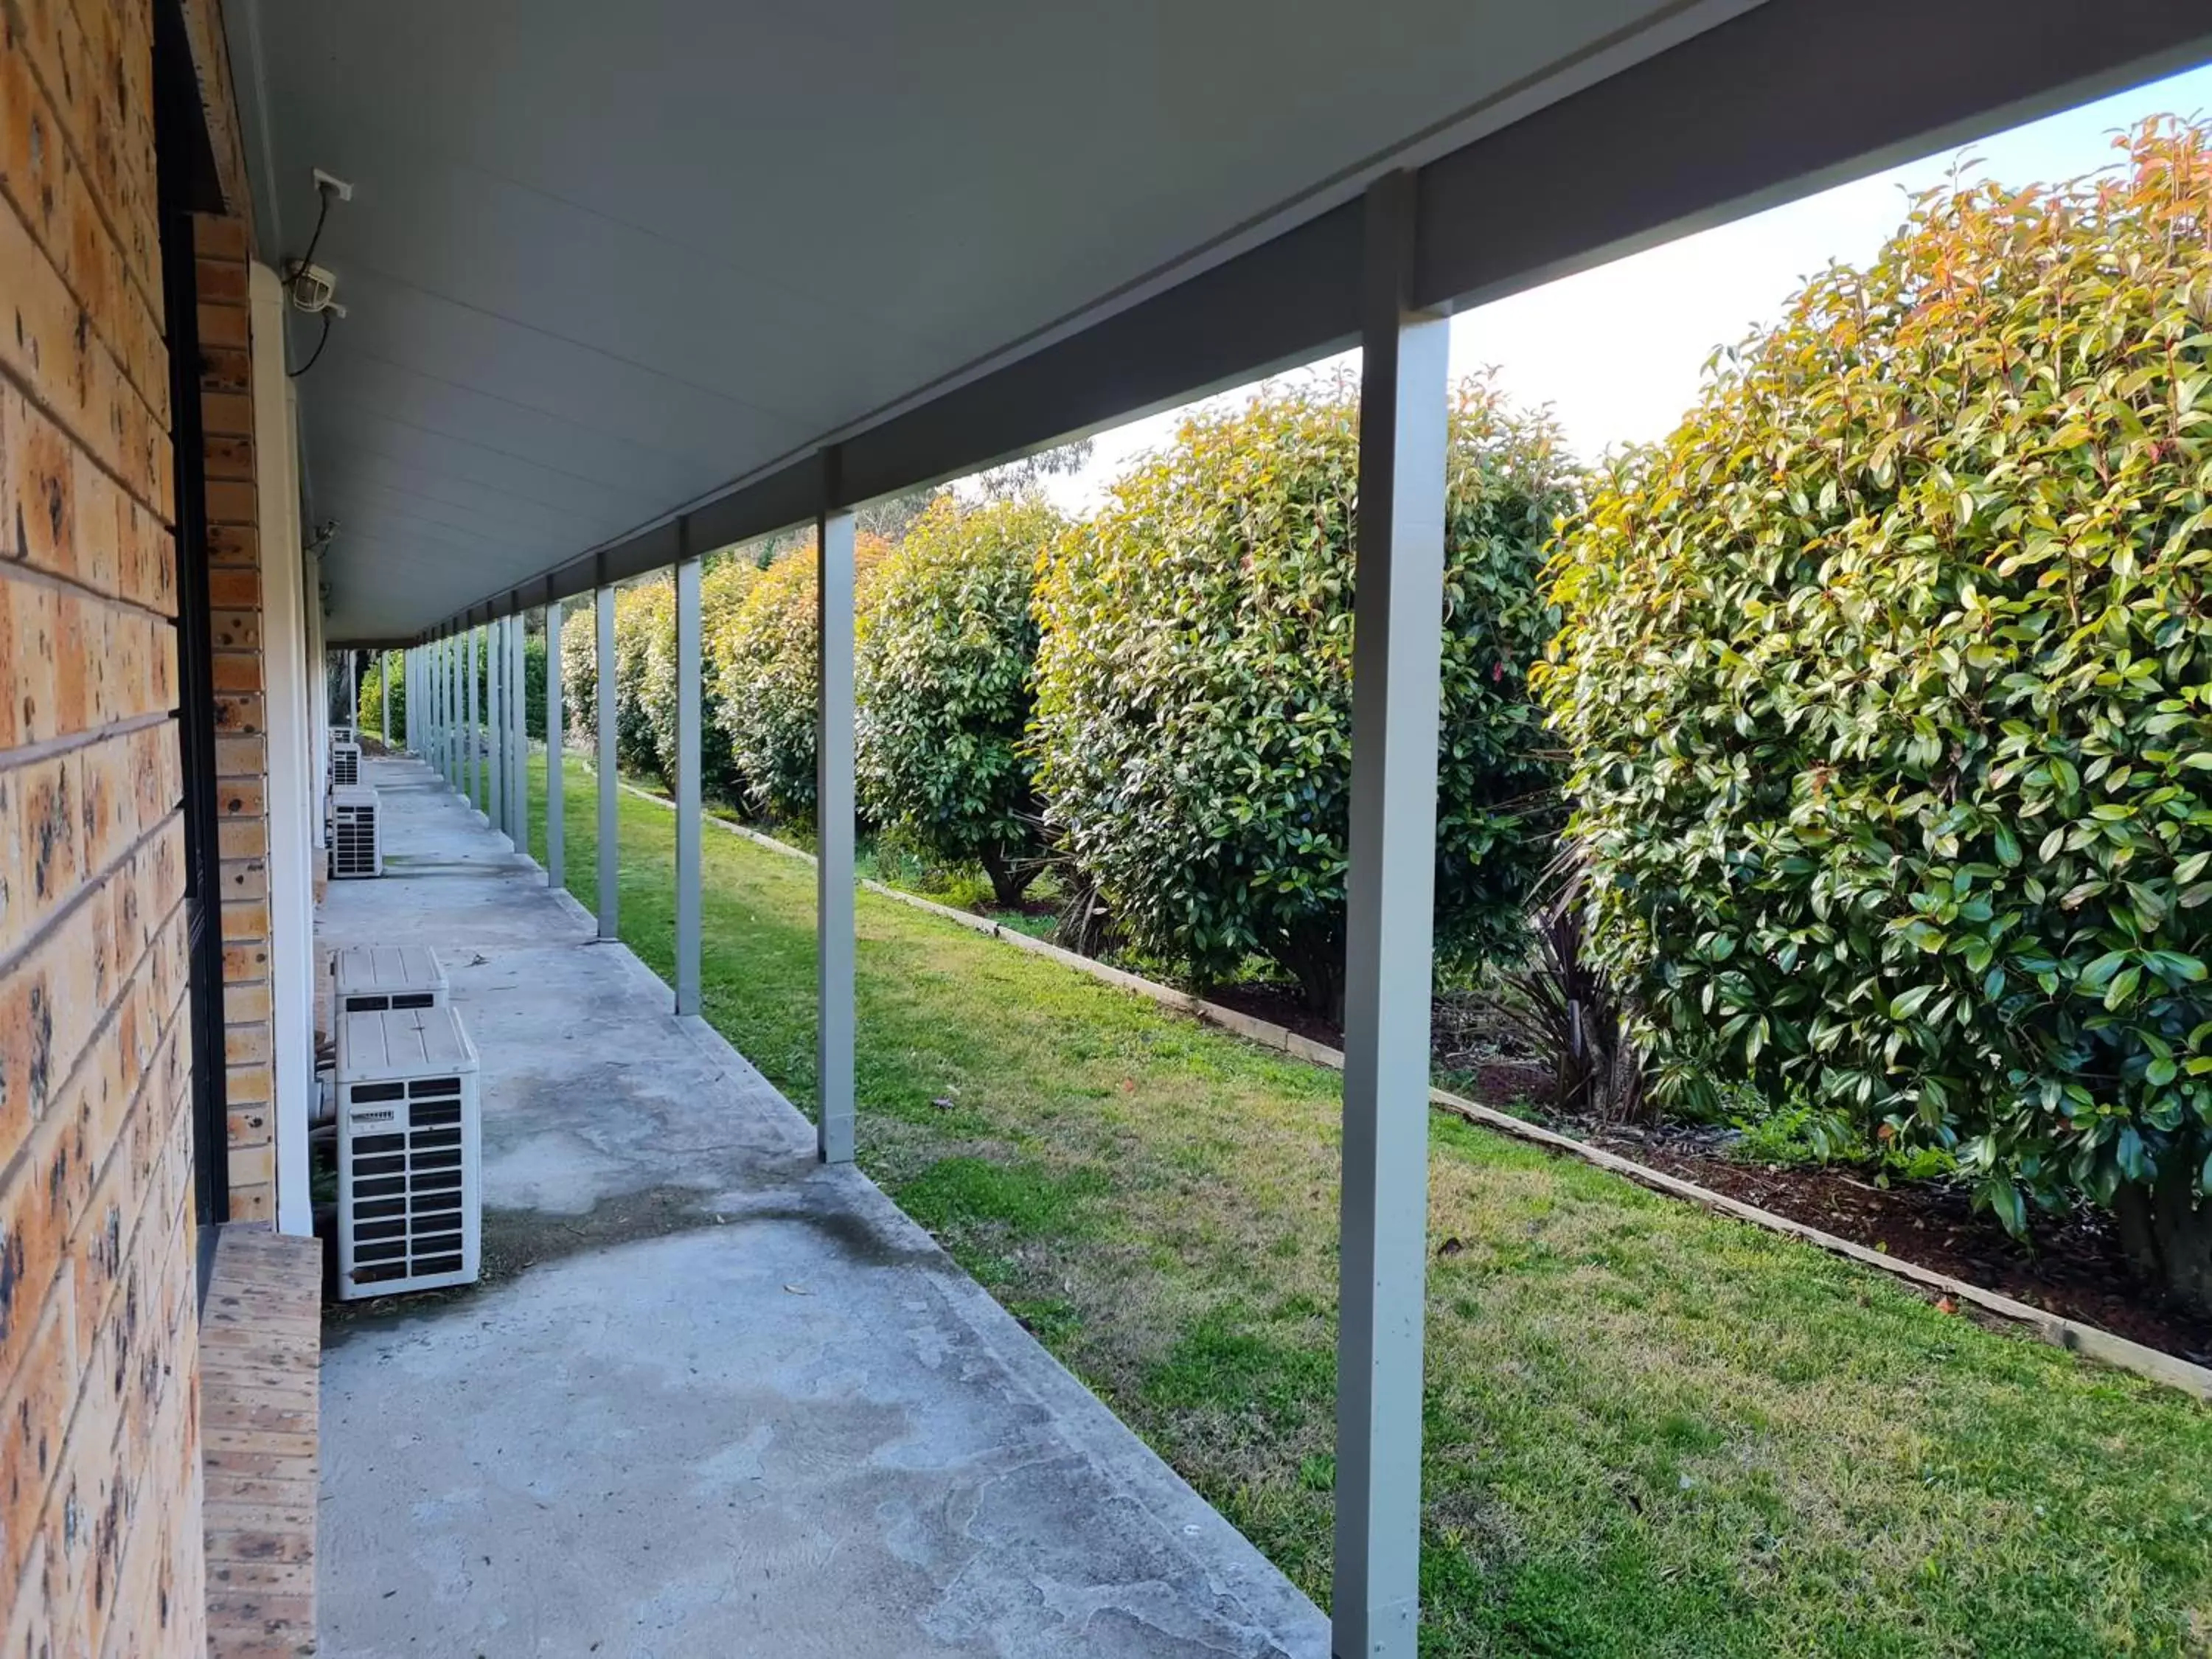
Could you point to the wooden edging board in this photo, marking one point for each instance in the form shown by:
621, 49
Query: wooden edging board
2055, 1328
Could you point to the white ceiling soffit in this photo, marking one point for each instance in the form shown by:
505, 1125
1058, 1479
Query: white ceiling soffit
602, 261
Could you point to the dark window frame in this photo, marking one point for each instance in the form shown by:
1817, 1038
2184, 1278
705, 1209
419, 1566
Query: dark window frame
186, 184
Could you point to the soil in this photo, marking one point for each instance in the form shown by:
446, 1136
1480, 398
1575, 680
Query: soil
2074, 1266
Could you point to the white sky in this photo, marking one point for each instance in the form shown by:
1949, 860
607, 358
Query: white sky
1617, 352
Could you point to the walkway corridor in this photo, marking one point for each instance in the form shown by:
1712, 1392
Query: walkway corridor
712, 1397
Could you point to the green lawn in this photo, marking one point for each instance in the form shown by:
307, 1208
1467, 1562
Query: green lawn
1650, 1430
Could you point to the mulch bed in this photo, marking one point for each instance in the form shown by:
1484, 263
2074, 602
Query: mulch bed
2074, 1267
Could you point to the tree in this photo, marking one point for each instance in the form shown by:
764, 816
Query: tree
579, 675
1886, 682
645, 615
768, 677
723, 581
944, 681
369, 713
1192, 723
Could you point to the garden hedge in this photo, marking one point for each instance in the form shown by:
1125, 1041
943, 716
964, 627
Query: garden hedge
1885, 679
944, 681
763, 661
1193, 686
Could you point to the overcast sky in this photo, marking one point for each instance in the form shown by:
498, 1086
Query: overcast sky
1617, 352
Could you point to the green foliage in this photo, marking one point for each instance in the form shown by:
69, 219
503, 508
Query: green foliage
579, 675
1193, 686
533, 685
1885, 679
722, 585
369, 713
763, 661
944, 682
645, 623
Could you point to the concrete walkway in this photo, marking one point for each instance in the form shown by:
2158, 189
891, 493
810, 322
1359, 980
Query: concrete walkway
713, 1399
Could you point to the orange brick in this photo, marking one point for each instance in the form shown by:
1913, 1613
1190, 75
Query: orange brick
234, 544
223, 324
228, 416
237, 714
50, 827
232, 501
246, 1085
241, 797
234, 630
216, 237
236, 671
242, 838
38, 491
14, 894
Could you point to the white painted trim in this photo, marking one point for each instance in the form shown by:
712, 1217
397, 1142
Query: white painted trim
294, 822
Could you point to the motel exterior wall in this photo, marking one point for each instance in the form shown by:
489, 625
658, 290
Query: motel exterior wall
101, 1444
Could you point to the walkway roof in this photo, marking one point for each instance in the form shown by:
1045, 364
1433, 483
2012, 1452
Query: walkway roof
617, 278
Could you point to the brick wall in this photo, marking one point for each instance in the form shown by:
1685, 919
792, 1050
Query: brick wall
99, 1470
241, 743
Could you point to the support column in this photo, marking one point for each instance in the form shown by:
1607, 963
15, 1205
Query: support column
1390, 881
496, 722
512, 731
610, 828
384, 697
687, 786
833, 797
449, 713
518, 791
556, 873
472, 736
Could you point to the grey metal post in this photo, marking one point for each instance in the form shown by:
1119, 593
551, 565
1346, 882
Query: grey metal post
495, 722
353, 691
833, 797
448, 716
470, 748
449, 671
687, 786
1396, 690
518, 738
609, 825
384, 697
556, 874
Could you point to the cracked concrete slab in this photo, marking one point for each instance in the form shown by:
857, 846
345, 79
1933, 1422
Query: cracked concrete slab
726, 1401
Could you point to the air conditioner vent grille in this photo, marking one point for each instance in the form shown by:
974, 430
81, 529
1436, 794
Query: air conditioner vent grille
356, 850
409, 1172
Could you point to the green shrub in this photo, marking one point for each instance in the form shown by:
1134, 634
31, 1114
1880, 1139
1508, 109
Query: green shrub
1886, 678
1193, 684
369, 712
722, 585
580, 674
763, 661
645, 622
944, 680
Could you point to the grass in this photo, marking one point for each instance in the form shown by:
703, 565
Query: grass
1648, 1431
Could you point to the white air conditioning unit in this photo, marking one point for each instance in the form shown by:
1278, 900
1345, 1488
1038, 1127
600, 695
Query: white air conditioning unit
410, 1182
368, 979
357, 833
345, 763
342, 734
